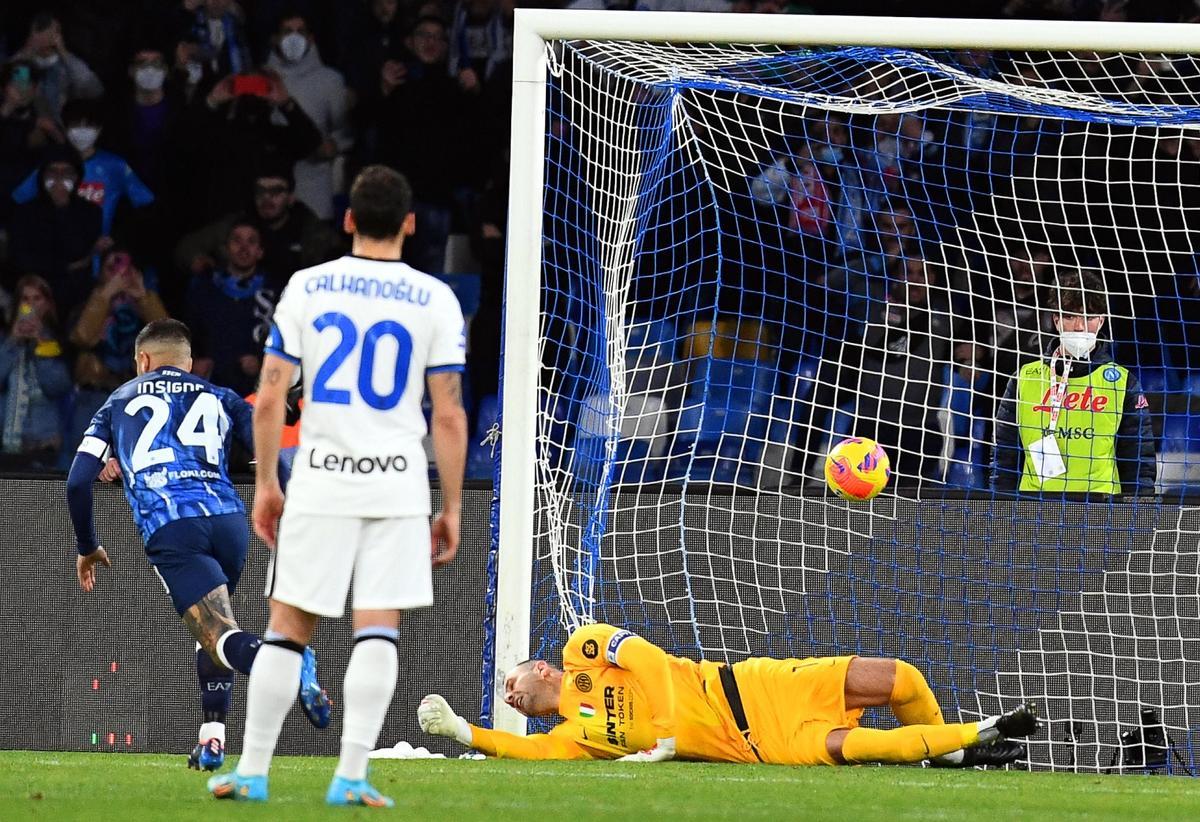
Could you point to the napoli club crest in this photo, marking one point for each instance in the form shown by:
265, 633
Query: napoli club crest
1112, 374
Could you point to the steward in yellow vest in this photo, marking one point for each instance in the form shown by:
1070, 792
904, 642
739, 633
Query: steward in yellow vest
1075, 421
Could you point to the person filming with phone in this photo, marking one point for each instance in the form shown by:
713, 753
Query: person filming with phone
105, 330
246, 120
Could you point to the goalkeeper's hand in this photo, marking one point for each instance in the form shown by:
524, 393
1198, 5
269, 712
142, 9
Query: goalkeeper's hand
436, 717
663, 750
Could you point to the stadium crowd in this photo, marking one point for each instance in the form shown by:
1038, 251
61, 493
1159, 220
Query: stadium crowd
183, 157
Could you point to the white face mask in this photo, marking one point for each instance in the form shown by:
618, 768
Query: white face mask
83, 137
1078, 344
150, 78
47, 61
293, 46
195, 72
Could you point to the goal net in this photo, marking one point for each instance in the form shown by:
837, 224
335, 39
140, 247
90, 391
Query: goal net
749, 252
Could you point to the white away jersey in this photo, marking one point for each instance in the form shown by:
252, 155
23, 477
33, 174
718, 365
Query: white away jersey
365, 334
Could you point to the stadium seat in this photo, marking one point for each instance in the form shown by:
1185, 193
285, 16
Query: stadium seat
967, 467
1181, 432
480, 464
486, 415
467, 288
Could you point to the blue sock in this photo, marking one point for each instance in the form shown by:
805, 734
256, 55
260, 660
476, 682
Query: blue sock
216, 687
238, 649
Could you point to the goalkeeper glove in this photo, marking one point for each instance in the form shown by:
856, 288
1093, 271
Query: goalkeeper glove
663, 750
436, 717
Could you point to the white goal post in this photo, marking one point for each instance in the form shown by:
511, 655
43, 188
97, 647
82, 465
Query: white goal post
534, 31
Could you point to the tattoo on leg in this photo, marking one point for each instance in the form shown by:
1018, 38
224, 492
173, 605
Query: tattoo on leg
209, 618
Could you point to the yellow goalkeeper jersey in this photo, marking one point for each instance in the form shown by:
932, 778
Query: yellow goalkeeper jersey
620, 693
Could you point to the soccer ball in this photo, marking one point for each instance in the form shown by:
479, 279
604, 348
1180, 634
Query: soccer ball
857, 468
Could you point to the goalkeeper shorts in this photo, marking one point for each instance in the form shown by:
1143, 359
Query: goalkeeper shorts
792, 705
318, 560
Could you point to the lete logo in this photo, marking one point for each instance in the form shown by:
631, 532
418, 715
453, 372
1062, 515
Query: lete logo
1076, 401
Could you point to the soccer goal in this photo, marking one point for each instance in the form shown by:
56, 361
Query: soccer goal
736, 239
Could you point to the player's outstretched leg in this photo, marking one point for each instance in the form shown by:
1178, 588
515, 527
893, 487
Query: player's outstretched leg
239, 788
216, 696
912, 700
914, 743
370, 683
1021, 721
995, 754
313, 699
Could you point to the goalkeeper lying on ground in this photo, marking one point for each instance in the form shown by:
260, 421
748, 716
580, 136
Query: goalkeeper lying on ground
623, 697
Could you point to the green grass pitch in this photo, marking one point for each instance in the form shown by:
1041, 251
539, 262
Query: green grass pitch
132, 787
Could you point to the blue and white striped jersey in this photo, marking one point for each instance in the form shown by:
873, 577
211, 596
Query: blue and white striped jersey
170, 431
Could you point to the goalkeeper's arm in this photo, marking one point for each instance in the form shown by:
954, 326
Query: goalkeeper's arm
437, 717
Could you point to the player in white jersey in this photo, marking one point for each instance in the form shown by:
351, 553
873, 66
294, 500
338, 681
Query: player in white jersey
369, 334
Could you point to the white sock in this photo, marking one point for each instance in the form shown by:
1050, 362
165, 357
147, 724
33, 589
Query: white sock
274, 682
212, 730
952, 758
369, 685
988, 732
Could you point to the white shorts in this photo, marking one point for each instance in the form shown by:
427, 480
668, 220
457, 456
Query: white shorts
316, 557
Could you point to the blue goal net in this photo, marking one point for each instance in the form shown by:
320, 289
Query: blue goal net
751, 253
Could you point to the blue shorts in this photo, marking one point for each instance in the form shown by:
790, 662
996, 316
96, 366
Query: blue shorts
195, 555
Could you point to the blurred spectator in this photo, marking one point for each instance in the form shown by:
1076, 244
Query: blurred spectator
291, 236
144, 126
215, 30
795, 184
487, 244
423, 126
378, 38
1020, 327
480, 40
64, 76
322, 93
108, 181
229, 313
25, 127
56, 234
104, 331
34, 379
245, 122
892, 380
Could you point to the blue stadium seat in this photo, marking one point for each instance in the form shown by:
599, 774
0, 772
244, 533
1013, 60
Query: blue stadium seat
1161, 380
466, 288
480, 464
1181, 432
805, 378
486, 414
967, 468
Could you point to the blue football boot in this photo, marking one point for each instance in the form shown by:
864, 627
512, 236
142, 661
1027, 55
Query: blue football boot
313, 699
355, 792
239, 788
208, 755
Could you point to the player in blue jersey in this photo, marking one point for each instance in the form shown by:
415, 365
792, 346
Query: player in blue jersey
169, 431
